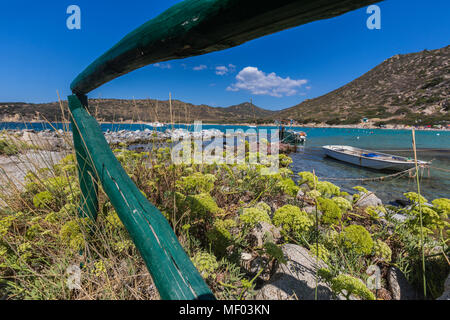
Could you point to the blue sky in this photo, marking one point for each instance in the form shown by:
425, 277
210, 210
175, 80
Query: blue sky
39, 55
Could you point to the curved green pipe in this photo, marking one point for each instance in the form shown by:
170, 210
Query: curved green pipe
196, 27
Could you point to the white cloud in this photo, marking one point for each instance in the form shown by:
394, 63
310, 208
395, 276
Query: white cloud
200, 67
260, 83
223, 70
163, 65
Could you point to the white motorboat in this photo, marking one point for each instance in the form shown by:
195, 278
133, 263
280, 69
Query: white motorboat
371, 159
155, 124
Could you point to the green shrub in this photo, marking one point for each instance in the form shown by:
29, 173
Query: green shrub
5, 224
331, 213
288, 186
361, 189
382, 251
431, 220
43, 199
274, 252
285, 160
375, 212
196, 183
342, 203
8, 148
71, 234
357, 239
206, 264
327, 189
322, 253
331, 239
220, 236
251, 216
114, 220
442, 206
308, 178
415, 198
292, 220
347, 285
313, 194
264, 206
203, 205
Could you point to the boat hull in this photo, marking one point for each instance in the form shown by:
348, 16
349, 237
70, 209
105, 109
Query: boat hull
372, 163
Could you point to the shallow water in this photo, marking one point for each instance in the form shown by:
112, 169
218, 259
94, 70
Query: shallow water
431, 145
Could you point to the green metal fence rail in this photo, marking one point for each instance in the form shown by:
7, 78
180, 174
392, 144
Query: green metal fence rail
192, 27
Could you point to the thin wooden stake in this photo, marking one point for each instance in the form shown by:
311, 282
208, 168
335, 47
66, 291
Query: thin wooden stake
420, 213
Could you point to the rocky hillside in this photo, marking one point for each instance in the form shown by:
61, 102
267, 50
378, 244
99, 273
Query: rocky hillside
137, 110
412, 89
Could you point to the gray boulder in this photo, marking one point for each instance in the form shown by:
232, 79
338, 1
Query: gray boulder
401, 289
446, 294
367, 200
296, 279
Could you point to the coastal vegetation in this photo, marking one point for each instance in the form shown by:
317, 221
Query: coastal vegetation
217, 211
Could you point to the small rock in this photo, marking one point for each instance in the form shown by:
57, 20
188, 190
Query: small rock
367, 200
300, 194
246, 256
401, 289
400, 217
349, 198
309, 209
296, 279
312, 210
264, 231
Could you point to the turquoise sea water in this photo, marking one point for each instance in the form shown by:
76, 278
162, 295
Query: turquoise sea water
431, 145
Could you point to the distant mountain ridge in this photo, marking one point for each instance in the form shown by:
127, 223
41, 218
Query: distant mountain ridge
405, 89
148, 110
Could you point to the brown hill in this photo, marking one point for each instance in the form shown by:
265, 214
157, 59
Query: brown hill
149, 110
411, 88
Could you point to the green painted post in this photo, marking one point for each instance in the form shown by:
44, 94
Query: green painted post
173, 272
86, 174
